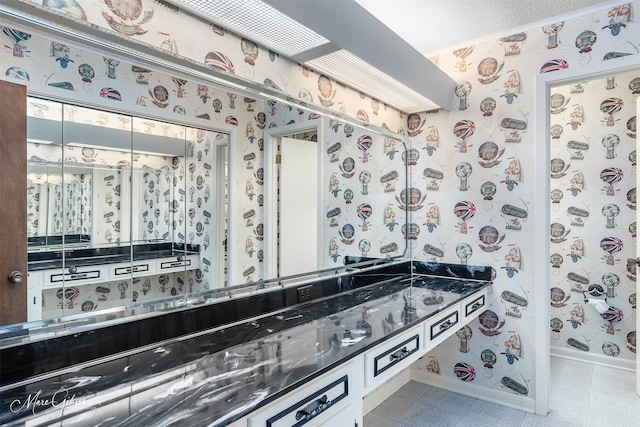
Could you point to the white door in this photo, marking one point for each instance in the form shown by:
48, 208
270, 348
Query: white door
298, 208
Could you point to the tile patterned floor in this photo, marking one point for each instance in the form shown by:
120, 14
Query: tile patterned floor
582, 395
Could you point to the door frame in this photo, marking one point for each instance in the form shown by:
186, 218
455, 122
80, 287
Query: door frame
544, 83
271, 137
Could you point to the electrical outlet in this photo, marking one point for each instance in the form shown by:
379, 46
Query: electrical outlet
304, 293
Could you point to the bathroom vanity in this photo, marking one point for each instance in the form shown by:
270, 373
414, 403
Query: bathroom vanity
101, 271
263, 359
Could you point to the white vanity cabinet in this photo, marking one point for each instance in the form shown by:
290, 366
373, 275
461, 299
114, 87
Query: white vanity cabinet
70, 288
334, 398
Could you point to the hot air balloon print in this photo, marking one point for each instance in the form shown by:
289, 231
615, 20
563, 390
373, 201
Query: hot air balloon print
390, 148
433, 140
554, 65
463, 130
128, 16
610, 212
513, 173
463, 171
414, 124
411, 199
512, 87
218, 61
488, 69
611, 106
585, 41
464, 252
489, 154
159, 96
364, 211
464, 371
490, 324
558, 232
617, 18
558, 103
490, 238
334, 185
16, 37
61, 51
326, 91
464, 210
364, 246
487, 106
364, 144
612, 316
365, 179
611, 245
552, 31
463, 53
333, 250
389, 218
512, 43
347, 234
576, 117
631, 130
513, 348
513, 129
611, 176
513, 261
462, 91
348, 167
433, 217
489, 359
631, 198
433, 178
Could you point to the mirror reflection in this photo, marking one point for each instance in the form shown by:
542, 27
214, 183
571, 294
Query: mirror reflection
132, 212
120, 210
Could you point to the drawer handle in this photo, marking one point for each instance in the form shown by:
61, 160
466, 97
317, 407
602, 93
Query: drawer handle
476, 306
446, 325
313, 408
399, 354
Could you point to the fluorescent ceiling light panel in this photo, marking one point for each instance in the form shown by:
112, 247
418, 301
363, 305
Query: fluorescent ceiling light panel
339, 39
348, 68
259, 22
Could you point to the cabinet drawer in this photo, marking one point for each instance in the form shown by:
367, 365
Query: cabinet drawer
77, 276
170, 265
473, 306
441, 326
389, 358
313, 404
138, 268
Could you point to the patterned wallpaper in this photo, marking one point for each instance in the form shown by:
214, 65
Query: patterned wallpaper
480, 155
471, 165
593, 215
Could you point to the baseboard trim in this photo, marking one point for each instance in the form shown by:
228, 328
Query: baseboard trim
597, 359
380, 394
499, 397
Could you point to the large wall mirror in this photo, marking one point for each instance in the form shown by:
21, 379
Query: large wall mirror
130, 214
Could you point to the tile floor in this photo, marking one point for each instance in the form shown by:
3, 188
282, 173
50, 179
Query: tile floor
582, 394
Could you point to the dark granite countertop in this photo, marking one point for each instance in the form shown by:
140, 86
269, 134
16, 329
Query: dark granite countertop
214, 376
46, 260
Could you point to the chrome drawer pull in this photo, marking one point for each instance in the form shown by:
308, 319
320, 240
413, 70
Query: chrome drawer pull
313, 408
399, 354
446, 325
476, 306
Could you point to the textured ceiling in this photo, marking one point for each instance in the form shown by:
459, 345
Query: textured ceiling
433, 25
